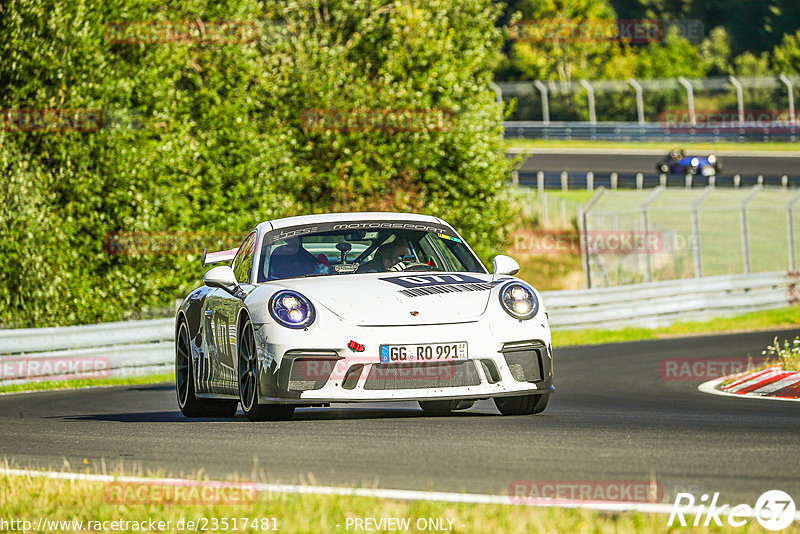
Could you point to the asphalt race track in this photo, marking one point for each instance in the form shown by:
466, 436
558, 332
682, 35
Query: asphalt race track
627, 163
612, 418
646, 163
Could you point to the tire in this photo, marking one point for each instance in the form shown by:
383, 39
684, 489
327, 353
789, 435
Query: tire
440, 407
523, 404
188, 402
248, 381
663, 169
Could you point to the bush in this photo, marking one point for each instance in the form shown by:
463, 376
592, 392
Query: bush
217, 141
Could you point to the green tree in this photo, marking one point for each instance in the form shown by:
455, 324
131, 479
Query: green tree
218, 141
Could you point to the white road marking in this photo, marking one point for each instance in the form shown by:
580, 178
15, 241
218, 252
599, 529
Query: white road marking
397, 494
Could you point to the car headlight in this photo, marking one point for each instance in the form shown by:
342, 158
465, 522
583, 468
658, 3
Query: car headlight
695, 162
712, 159
291, 309
519, 301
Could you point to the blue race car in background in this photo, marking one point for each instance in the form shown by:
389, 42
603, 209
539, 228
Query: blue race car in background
677, 162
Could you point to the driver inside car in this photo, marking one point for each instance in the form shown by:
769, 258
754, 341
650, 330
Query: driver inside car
387, 256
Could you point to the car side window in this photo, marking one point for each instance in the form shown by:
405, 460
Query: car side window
243, 262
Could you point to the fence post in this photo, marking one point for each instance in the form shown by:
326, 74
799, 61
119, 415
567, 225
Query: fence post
639, 180
545, 101
790, 90
696, 250
614, 177
745, 236
498, 92
582, 229
737, 179
562, 205
646, 223
690, 98
564, 180
590, 181
790, 231
689, 181
540, 181
739, 98
639, 99
545, 211
590, 95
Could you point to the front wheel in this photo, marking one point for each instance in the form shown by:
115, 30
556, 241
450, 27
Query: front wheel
248, 381
188, 402
522, 404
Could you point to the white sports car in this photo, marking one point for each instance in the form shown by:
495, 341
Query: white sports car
358, 307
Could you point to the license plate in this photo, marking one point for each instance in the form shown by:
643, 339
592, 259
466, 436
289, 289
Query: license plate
426, 352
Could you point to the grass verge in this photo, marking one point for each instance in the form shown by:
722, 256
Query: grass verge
666, 146
87, 382
32, 498
762, 320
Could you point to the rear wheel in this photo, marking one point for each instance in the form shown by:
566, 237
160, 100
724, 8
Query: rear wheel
663, 168
188, 402
523, 404
438, 407
248, 381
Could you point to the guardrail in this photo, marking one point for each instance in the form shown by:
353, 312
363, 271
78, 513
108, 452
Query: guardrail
146, 347
590, 180
91, 351
634, 131
661, 303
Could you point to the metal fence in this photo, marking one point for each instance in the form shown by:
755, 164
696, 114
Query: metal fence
674, 234
760, 108
590, 180
145, 347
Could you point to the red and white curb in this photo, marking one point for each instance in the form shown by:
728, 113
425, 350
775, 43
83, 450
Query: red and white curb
770, 383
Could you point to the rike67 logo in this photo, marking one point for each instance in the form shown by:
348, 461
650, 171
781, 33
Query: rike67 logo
774, 510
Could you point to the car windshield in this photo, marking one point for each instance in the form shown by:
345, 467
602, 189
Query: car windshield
304, 251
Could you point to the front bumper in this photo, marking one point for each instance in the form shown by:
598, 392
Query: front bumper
504, 359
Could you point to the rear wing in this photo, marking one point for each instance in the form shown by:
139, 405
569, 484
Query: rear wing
221, 256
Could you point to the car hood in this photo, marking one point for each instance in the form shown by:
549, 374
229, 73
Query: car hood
399, 299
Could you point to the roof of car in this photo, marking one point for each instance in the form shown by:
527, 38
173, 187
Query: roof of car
341, 217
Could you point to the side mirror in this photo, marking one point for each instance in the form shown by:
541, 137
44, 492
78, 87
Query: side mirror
222, 277
505, 265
